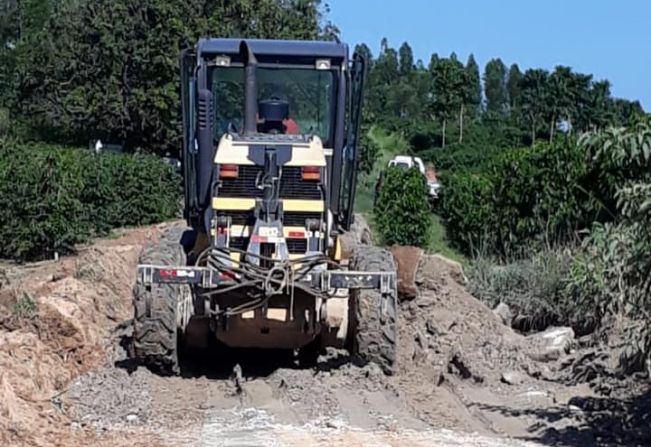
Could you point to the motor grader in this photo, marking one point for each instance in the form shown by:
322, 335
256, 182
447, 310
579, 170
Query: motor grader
269, 159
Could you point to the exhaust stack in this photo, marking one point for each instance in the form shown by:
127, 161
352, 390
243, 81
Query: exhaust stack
250, 89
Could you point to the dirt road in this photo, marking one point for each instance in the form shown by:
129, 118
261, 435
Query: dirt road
463, 378
334, 406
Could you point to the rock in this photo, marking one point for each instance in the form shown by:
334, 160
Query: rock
512, 378
132, 418
455, 269
337, 424
504, 313
425, 300
407, 260
555, 342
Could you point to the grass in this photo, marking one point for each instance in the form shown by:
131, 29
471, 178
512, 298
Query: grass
438, 242
391, 145
25, 307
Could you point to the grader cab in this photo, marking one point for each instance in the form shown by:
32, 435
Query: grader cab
269, 161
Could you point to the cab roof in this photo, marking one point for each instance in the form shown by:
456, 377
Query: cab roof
278, 48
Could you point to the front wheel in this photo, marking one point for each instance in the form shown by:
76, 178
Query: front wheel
373, 315
156, 310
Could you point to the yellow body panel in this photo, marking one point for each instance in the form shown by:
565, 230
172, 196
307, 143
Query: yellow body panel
306, 206
338, 250
238, 204
232, 204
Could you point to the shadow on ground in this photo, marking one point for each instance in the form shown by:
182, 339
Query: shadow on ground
589, 421
218, 362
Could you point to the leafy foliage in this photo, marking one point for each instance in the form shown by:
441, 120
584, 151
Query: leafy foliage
527, 200
520, 196
402, 210
427, 103
465, 207
52, 198
613, 270
109, 69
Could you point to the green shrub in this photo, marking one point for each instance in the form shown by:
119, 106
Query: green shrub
465, 206
52, 198
612, 273
402, 209
522, 198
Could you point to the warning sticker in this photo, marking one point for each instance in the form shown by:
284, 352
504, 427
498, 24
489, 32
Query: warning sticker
268, 231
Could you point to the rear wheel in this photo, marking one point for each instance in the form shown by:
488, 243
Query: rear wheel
156, 310
374, 315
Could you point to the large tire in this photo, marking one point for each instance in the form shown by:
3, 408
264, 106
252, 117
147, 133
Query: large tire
373, 316
155, 328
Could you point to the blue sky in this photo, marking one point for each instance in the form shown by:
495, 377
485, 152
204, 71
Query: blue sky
608, 38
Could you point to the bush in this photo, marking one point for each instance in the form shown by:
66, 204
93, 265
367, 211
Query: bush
612, 273
402, 208
52, 198
466, 209
523, 198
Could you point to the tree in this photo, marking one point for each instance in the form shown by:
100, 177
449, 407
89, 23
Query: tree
448, 84
471, 95
406, 60
473, 85
495, 87
434, 59
533, 91
598, 114
364, 51
109, 69
9, 34
383, 81
626, 112
513, 88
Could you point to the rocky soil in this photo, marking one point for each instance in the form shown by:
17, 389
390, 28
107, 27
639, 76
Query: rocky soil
464, 378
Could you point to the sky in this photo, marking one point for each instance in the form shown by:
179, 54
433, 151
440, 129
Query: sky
610, 39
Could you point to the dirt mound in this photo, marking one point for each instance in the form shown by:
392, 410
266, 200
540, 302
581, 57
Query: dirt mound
447, 329
57, 322
450, 342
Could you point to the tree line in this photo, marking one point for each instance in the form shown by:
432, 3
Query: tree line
409, 96
76, 70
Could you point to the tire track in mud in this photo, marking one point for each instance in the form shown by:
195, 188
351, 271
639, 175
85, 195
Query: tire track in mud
261, 417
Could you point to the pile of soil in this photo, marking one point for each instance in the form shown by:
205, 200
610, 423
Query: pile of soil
56, 324
460, 366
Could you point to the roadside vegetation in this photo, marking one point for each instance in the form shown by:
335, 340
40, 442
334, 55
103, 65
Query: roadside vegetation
546, 188
52, 198
75, 71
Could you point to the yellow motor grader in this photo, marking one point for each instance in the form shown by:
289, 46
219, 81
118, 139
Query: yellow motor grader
270, 162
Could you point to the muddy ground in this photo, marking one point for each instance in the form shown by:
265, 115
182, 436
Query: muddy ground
463, 379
